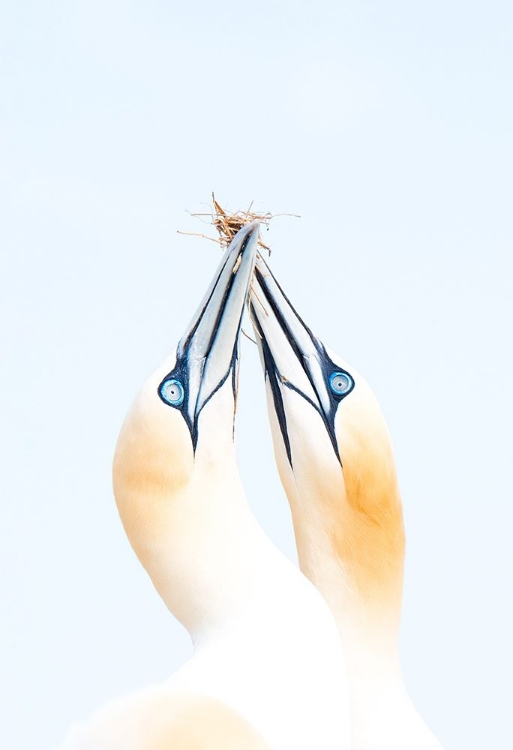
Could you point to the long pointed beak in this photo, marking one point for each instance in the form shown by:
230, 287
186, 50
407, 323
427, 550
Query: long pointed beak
208, 351
292, 356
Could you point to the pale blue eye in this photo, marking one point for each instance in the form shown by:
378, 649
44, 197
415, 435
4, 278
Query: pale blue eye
340, 383
172, 391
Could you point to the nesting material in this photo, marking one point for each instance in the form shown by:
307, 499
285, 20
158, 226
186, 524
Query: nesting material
228, 224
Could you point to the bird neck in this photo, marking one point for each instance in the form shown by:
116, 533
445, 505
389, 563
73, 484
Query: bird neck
203, 551
367, 612
184, 510
189, 523
350, 541
382, 714
366, 609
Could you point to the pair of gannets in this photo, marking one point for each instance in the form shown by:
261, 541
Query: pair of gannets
272, 661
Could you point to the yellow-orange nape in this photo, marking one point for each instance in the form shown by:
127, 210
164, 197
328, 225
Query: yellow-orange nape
369, 537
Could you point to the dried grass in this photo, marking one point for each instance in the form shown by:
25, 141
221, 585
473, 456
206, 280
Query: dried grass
228, 224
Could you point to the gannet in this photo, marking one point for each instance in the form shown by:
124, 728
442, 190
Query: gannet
335, 461
267, 664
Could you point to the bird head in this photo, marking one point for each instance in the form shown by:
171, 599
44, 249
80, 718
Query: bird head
334, 457
175, 455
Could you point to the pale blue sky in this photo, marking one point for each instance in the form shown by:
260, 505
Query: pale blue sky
388, 127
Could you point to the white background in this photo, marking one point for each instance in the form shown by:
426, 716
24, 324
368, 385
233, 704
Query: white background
388, 127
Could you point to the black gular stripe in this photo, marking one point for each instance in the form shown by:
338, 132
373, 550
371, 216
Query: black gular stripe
283, 323
274, 378
327, 365
234, 370
293, 343
181, 369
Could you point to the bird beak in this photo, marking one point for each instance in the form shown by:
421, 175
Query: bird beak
292, 357
207, 354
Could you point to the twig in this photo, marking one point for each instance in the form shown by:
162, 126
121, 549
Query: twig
228, 224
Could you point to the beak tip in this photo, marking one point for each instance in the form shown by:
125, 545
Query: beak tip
251, 229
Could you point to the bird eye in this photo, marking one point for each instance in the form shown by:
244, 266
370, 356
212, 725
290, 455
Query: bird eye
340, 383
172, 392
